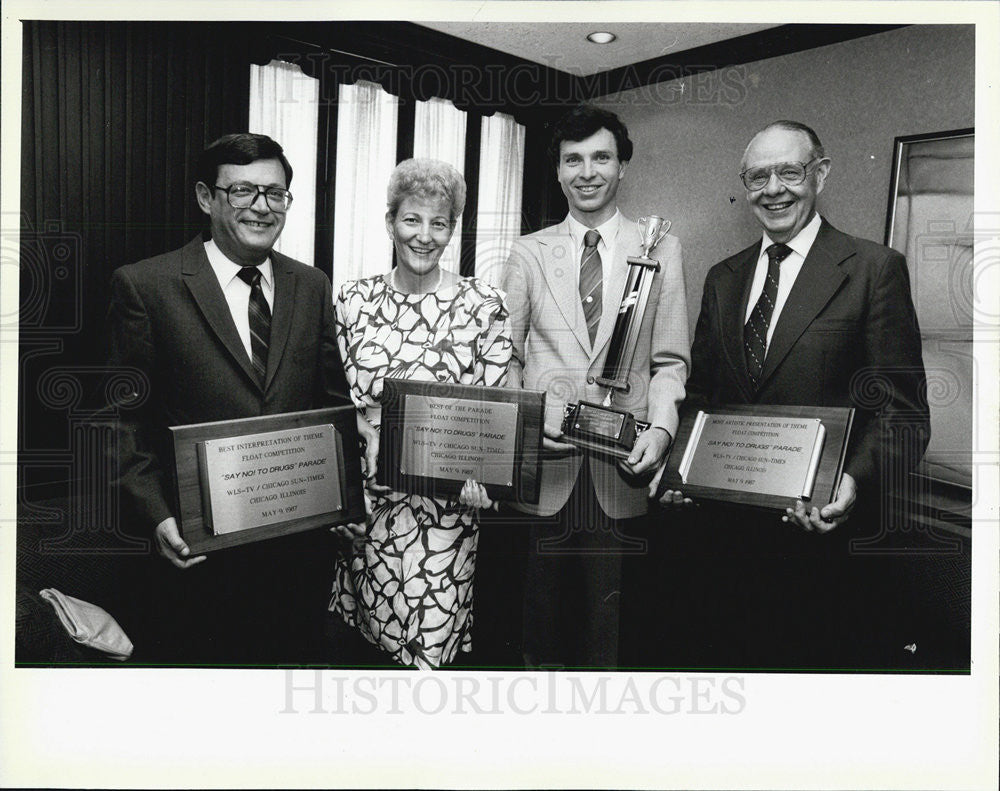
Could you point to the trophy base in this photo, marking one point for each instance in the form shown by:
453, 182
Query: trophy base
601, 429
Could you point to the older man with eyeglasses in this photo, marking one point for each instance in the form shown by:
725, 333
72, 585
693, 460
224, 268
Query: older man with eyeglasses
807, 315
223, 328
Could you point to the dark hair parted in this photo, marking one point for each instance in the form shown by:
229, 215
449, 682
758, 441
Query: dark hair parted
241, 148
583, 121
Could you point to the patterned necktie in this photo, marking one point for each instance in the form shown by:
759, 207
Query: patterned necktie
260, 321
755, 331
590, 282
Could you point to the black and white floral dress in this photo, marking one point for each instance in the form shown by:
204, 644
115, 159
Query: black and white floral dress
408, 586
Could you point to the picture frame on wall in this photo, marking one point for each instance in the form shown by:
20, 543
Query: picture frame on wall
929, 219
934, 164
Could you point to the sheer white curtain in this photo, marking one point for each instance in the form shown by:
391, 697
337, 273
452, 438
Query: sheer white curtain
366, 155
439, 133
284, 104
501, 168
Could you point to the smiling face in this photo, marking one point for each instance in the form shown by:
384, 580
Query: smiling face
420, 232
781, 209
246, 236
589, 172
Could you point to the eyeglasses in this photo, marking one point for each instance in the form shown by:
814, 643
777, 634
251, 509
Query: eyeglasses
789, 173
243, 196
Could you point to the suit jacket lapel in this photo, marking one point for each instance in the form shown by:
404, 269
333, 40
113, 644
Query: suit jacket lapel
818, 280
281, 318
558, 260
617, 275
204, 287
733, 292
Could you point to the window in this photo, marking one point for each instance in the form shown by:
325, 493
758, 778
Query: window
366, 155
283, 103
439, 133
501, 166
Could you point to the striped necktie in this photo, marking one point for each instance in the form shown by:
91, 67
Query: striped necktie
260, 321
755, 331
590, 282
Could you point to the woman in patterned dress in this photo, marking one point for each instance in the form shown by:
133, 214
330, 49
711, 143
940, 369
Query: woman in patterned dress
406, 583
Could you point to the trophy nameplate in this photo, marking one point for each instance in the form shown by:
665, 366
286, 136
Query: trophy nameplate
604, 428
601, 429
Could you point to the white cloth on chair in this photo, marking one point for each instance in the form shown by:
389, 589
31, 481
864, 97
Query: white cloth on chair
89, 625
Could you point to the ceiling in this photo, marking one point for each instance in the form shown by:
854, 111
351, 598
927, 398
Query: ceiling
564, 46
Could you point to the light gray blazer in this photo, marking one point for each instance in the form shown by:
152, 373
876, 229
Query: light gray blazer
552, 352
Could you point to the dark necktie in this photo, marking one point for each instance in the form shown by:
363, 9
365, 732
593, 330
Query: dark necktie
260, 321
590, 282
755, 331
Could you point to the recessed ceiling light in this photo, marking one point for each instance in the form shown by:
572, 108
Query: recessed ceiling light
601, 37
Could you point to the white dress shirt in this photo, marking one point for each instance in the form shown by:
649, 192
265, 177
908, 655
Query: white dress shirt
789, 270
236, 291
607, 247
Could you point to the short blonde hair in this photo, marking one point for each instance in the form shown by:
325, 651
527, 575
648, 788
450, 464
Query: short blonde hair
426, 178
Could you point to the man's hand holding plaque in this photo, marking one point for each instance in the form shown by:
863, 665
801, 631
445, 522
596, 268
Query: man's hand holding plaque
171, 546
820, 520
647, 453
823, 520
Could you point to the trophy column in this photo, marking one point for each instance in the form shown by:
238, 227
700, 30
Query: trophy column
603, 428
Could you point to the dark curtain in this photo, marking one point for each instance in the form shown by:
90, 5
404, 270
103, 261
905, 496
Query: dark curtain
542, 201
114, 115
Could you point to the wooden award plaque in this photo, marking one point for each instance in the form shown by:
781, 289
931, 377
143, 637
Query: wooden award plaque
760, 455
250, 479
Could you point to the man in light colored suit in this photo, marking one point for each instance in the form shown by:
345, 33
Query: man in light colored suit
564, 285
223, 328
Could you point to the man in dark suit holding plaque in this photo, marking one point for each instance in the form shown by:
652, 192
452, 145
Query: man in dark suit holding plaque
564, 286
807, 316
223, 328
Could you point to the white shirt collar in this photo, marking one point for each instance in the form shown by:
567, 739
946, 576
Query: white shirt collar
803, 240
226, 269
608, 229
